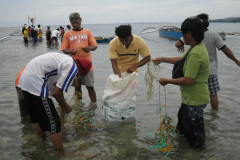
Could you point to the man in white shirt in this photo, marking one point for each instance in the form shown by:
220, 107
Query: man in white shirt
55, 34
49, 75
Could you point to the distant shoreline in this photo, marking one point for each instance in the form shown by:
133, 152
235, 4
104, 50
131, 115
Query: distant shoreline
211, 21
227, 20
222, 22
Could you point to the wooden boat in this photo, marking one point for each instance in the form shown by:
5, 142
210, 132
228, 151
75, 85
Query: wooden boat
103, 39
171, 32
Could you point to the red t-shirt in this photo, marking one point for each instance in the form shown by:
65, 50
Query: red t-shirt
62, 32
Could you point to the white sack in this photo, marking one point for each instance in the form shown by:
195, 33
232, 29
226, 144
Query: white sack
119, 97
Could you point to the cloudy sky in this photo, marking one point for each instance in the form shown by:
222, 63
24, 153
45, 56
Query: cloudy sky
14, 13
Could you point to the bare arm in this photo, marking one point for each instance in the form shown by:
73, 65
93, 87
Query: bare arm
178, 81
116, 70
180, 46
74, 51
230, 55
139, 64
171, 60
58, 95
89, 48
70, 51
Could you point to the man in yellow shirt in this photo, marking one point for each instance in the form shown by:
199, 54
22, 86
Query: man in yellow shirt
25, 33
124, 51
39, 33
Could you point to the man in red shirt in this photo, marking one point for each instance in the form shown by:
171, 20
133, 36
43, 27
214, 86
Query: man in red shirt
62, 32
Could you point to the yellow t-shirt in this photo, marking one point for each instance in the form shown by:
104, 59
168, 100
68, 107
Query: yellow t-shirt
127, 57
75, 39
25, 33
40, 32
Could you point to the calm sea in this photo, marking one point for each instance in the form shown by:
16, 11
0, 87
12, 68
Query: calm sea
19, 140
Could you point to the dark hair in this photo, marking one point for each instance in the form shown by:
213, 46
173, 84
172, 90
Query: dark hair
39, 25
204, 17
123, 31
195, 26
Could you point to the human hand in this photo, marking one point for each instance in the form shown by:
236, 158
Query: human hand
131, 69
86, 49
73, 51
67, 109
157, 60
180, 49
163, 81
238, 63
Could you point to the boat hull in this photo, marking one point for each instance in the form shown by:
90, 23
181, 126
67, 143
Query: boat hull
103, 39
170, 34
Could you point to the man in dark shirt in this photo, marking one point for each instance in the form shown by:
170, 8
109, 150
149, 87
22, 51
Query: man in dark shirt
34, 35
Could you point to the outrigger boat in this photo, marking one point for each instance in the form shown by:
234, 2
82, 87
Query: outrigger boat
171, 32
103, 39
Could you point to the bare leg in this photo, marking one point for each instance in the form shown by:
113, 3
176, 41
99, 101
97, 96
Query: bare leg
92, 94
40, 132
79, 89
56, 138
57, 141
214, 101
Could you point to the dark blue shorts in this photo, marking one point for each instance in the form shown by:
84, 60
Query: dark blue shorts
43, 112
191, 124
35, 39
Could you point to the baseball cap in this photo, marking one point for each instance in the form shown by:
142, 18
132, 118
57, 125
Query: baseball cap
84, 65
74, 16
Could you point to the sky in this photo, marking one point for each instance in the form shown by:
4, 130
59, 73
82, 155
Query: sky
15, 13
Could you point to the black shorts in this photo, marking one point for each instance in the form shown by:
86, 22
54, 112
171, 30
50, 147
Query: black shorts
191, 124
54, 39
43, 112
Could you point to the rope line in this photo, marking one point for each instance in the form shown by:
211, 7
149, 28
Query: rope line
164, 134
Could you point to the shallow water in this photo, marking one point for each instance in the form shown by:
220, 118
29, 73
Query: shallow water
19, 140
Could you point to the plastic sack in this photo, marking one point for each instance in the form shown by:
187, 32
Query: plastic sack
119, 97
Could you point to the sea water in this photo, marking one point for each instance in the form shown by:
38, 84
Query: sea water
124, 139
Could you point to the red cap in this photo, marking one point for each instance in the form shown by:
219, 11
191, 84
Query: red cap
84, 65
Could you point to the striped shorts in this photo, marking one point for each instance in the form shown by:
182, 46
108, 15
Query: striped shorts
213, 84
